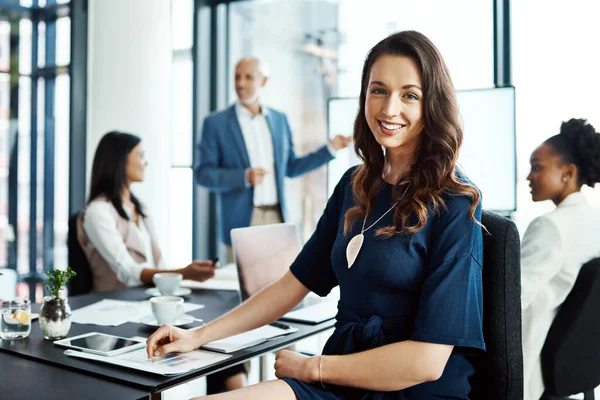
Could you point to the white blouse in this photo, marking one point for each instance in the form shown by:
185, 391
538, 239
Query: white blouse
101, 229
554, 249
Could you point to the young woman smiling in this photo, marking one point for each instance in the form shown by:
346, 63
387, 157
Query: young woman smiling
400, 236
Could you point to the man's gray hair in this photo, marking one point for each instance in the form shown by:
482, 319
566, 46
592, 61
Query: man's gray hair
263, 67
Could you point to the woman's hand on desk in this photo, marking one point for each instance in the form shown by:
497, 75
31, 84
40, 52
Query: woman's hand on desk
169, 339
290, 364
199, 271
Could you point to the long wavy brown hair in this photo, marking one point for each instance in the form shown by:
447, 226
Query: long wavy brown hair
433, 171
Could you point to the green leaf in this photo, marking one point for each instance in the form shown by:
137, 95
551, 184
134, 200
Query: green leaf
57, 280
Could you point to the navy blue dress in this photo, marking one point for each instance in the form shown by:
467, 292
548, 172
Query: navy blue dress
425, 287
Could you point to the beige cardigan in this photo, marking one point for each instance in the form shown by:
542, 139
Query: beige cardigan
104, 277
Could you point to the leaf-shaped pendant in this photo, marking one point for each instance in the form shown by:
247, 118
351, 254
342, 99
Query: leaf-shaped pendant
353, 248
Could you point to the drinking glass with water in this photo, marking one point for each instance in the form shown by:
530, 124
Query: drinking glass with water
15, 319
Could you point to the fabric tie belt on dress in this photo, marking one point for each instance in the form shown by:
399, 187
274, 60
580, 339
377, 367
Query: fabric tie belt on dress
353, 334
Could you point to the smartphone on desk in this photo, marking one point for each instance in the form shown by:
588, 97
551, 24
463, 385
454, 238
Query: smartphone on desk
101, 343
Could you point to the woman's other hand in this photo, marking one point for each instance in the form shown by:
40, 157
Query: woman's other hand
199, 270
290, 364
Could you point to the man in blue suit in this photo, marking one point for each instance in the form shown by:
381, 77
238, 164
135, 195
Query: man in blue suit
245, 153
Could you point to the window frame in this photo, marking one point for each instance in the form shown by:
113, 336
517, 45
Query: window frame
76, 10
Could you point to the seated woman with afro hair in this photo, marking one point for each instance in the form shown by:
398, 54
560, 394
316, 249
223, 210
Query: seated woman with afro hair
557, 244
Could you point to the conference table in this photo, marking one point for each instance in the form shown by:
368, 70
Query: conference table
47, 372
23, 379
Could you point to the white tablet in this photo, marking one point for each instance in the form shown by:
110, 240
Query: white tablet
101, 343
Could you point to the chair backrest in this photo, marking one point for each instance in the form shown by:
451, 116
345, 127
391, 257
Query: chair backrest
8, 284
83, 282
571, 353
263, 254
499, 373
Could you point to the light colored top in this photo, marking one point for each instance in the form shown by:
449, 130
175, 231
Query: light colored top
106, 238
554, 249
144, 234
259, 144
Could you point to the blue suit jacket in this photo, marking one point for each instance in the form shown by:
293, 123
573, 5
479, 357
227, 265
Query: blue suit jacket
222, 160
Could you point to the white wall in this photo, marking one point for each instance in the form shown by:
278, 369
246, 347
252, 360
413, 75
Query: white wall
129, 89
460, 29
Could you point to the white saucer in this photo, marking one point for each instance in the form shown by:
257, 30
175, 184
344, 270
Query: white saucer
182, 291
149, 320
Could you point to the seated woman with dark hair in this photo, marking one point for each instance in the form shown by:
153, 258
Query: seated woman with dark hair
557, 244
114, 230
117, 235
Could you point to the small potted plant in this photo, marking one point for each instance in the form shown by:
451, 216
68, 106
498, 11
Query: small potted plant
55, 314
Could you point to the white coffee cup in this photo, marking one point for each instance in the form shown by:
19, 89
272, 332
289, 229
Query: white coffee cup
167, 282
167, 309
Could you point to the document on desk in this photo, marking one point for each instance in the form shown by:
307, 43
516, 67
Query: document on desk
247, 339
170, 364
110, 312
212, 284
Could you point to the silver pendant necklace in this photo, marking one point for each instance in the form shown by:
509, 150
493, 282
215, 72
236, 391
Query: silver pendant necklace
355, 244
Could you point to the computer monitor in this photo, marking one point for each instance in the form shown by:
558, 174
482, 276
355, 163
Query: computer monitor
488, 153
263, 254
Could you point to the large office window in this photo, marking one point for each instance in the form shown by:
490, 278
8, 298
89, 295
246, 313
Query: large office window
316, 51
34, 138
555, 71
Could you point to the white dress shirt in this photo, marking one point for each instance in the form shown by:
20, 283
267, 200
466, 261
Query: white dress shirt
554, 249
101, 229
259, 143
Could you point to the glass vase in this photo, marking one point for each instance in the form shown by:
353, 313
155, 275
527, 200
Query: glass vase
55, 318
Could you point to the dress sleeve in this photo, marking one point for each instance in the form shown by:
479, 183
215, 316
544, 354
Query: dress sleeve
313, 266
451, 301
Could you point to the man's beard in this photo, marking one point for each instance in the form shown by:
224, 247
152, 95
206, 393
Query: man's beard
251, 100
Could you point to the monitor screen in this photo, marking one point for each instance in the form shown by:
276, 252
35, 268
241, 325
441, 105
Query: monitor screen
487, 156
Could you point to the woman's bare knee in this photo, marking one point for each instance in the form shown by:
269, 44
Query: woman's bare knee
268, 390
236, 381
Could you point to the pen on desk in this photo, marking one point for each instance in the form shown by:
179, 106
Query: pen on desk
215, 261
279, 325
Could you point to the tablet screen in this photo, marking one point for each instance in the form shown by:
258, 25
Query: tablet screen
103, 343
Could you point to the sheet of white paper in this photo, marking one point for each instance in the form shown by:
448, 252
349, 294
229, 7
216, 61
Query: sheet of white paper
235, 342
247, 339
171, 364
110, 312
226, 278
227, 272
212, 284
270, 332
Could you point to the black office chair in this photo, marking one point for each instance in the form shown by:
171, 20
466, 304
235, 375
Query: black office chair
499, 373
83, 282
571, 353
